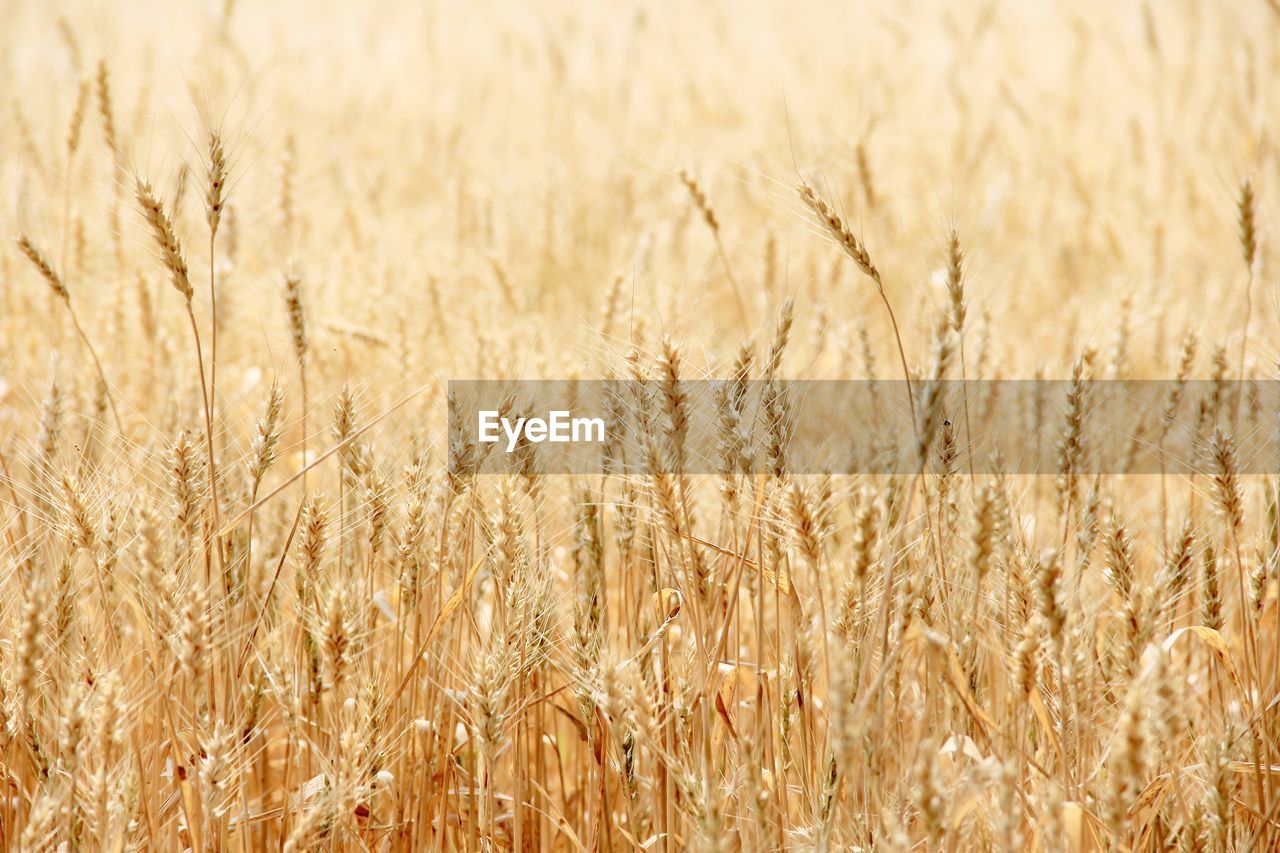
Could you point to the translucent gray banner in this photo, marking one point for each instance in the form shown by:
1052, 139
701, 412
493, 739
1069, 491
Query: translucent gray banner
863, 426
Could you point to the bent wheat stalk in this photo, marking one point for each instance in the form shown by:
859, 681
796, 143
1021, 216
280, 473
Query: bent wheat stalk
55, 283
857, 251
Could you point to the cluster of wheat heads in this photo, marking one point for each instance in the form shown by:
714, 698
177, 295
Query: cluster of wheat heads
252, 598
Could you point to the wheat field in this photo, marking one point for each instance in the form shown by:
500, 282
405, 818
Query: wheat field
257, 591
